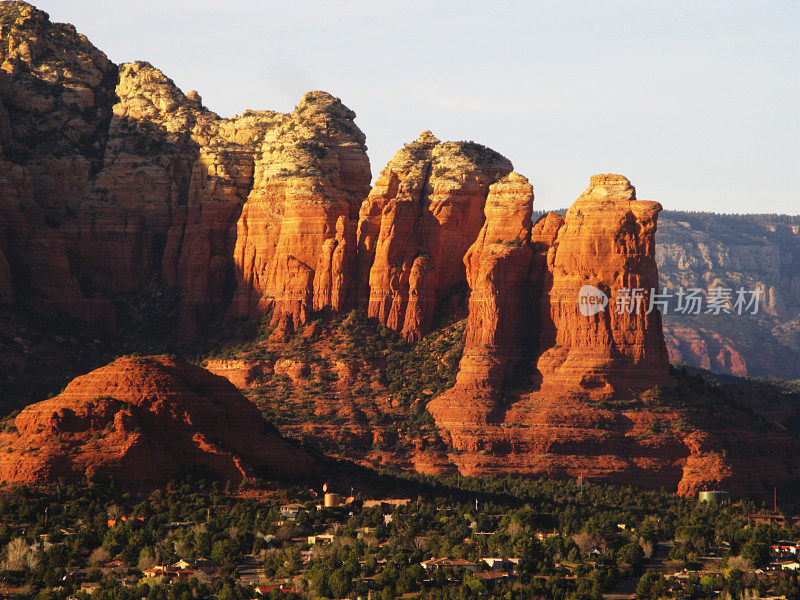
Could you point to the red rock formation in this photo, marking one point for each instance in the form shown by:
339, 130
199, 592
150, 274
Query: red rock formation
38, 255
295, 238
421, 217
541, 331
145, 419
497, 266
55, 93
238, 372
557, 425
704, 348
608, 242
117, 177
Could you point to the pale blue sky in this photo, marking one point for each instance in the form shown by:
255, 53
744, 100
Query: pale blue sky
695, 102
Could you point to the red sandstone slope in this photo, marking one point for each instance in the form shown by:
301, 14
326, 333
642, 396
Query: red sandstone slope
704, 348
145, 419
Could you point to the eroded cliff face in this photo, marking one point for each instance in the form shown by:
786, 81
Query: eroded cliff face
704, 348
608, 242
423, 214
56, 92
556, 392
113, 177
497, 266
145, 419
749, 252
296, 236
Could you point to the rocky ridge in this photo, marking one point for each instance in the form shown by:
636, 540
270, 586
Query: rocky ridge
697, 250
113, 177
424, 212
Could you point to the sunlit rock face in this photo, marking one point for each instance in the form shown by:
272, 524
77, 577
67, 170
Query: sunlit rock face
114, 178
425, 211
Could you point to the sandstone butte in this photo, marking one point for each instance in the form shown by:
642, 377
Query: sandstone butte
113, 181
546, 403
146, 419
424, 212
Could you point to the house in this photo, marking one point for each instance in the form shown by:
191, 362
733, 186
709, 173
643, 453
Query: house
387, 502
263, 590
122, 519
299, 541
322, 538
180, 570
449, 563
501, 563
115, 568
89, 587
492, 576
773, 519
185, 573
293, 510
686, 574
205, 566
177, 524
157, 571
786, 547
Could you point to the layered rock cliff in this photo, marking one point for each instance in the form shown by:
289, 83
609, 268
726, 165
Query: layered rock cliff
296, 236
750, 252
113, 177
113, 183
606, 242
422, 215
497, 265
145, 419
590, 394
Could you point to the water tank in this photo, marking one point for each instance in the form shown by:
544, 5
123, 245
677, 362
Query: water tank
713, 496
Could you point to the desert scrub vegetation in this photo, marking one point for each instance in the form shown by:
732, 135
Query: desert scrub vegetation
411, 372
